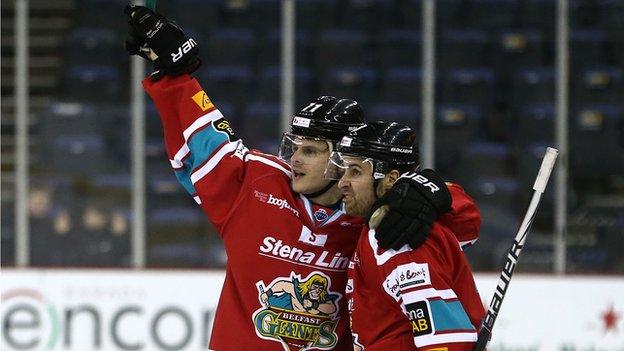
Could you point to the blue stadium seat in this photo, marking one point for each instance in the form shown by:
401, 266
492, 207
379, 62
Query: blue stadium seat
183, 221
84, 154
538, 14
399, 47
589, 47
408, 114
316, 14
201, 14
231, 46
269, 53
367, 15
401, 84
462, 47
501, 191
350, 82
261, 125
102, 13
341, 47
535, 124
491, 13
596, 141
533, 85
269, 80
69, 118
484, 159
113, 182
408, 13
518, 48
93, 45
94, 83
175, 236
469, 85
231, 84
456, 126
599, 85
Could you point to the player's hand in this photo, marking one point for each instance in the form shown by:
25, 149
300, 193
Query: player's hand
411, 206
152, 36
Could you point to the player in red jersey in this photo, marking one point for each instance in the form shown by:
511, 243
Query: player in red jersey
285, 231
405, 299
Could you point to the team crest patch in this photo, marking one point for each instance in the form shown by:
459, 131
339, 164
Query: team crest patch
320, 215
301, 314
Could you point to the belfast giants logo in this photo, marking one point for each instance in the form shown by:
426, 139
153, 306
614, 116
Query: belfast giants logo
299, 313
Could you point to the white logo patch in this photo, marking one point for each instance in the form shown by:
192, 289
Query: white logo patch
405, 277
346, 141
301, 122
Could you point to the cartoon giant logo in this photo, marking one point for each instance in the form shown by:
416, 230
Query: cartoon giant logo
299, 313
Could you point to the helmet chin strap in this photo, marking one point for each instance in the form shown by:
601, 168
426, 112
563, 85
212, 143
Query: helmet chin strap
322, 191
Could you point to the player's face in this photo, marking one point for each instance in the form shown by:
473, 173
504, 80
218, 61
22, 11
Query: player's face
357, 186
308, 160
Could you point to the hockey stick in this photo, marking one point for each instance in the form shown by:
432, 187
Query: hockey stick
485, 334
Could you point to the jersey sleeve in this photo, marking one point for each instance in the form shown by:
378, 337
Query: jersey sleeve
208, 159
423, 289
464, 219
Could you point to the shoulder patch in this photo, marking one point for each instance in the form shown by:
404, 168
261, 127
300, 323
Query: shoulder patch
202, 100
223, 125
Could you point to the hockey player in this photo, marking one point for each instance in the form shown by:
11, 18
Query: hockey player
405, 299
286, 234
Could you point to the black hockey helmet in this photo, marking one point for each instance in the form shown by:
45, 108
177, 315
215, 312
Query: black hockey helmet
328, 118
325, 118
388, 145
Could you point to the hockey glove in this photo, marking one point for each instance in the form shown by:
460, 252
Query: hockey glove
411, 206
158, 39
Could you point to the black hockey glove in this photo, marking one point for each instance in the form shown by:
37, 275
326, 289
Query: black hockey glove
411, 206
158, 39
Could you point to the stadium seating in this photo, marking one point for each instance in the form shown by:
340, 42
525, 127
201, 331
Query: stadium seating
596, 128
599, 85
261, 121
353, 82
269, 83
93, 45
399, 47
490, 13
532, 85
535, 124
469, 85
231, 46
462, 48
341, 47
269, 53
408, 114
94, 83
456, 126
401, 84
231, 84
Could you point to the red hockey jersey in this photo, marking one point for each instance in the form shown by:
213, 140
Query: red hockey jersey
287, 258
423, 299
